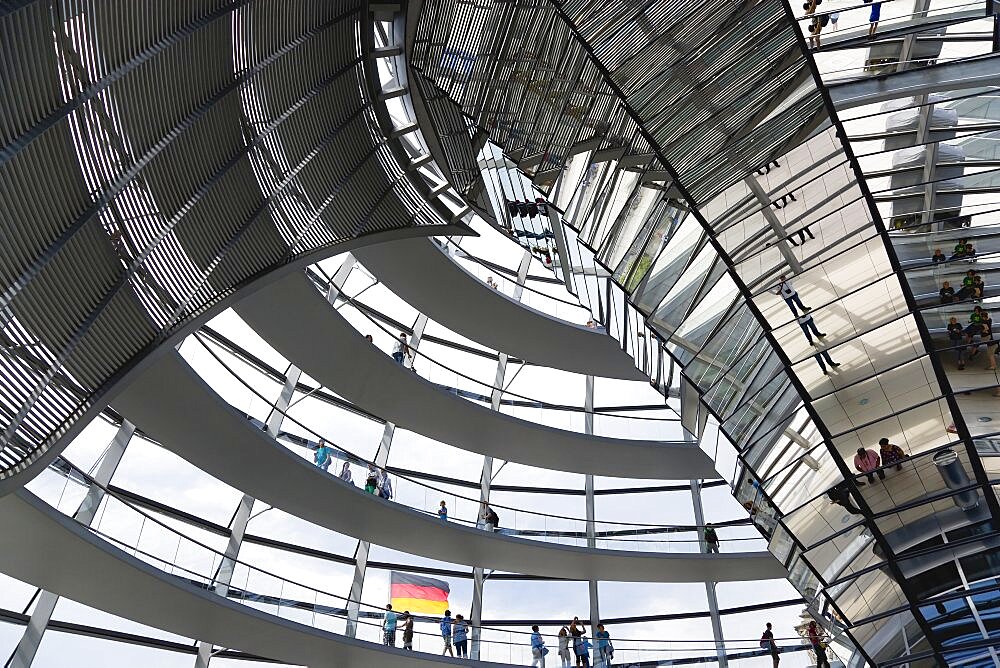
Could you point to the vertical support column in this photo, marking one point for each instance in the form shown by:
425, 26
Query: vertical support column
774, 223
588, 417
27, 647
238, 525
478, 577
361, 552
381, 460
565, 261
713, 600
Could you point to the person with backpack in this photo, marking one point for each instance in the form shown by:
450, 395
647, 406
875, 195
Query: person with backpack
767, 642
445, 626
584, 656
538, 648
818, 645
605, 652
711, 541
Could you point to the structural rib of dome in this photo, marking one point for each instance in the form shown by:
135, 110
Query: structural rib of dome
345, 263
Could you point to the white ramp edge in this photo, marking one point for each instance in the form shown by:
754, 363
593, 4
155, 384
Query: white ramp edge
424, 276
294, 318
175, 406
43, 547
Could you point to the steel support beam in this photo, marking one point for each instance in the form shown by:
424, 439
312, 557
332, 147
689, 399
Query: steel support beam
954, 76
486, 478
713, 600
242, 516
592, 586
27, 646
381, 455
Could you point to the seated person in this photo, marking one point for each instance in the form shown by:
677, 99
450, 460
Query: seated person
938, 256
968, 289
979, 316
961, 249
970, 252
947, 293
979, 285
974, 333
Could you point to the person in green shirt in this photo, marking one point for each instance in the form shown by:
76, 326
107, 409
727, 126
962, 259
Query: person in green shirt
961, 249
969, 288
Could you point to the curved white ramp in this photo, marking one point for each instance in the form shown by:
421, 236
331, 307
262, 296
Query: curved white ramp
424, 276
47, 549
298, 322
176, 407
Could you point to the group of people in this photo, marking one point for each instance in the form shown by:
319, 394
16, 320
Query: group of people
869, 462
376, 482
454, 631
488, 518
574, 645
818, 640
788, 293
965, 341
973, 288
831, 18
401, 350
963, 250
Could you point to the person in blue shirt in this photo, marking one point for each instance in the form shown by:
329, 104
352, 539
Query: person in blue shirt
323, 456
585, 648
443, 512
604, 649
460, 636
538, 650
446, 633
389, 627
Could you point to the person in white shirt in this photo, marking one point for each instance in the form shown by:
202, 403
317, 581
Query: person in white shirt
401, 350
807, 323
791, 297
385, 486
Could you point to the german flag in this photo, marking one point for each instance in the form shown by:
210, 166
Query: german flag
418, 594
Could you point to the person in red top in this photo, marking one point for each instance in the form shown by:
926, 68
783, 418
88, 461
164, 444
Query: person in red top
867, 461
817, 641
